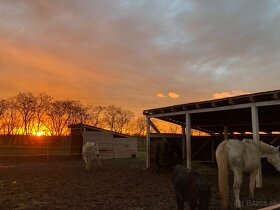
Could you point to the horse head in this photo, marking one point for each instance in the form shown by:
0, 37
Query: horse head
96, 149
274, 158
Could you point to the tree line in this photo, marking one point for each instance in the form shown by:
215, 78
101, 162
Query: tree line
29, 114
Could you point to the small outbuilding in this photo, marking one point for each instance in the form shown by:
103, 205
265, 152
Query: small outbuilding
111, 144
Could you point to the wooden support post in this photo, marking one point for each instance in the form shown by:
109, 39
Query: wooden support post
226, 136
183, 142
255, 123
188, 140
157, 130
148, 134
256, 137
212, 151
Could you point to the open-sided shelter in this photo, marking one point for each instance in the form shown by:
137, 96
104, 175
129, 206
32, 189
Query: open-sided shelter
255, 113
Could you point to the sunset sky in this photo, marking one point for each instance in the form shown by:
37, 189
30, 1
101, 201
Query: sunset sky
139, 54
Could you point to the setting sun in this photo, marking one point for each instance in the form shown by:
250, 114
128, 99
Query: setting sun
40, 133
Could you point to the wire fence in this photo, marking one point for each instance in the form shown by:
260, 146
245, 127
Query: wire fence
61, 151
40, 150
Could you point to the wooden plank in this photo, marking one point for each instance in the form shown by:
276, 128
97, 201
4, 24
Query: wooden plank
183, 141
221, 108
256, 136
104, 140
255, 123
237, 106
148, 149
96, 134
226, 134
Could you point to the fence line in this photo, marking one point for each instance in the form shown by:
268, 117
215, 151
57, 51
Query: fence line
40, 155
35, 146
55, 151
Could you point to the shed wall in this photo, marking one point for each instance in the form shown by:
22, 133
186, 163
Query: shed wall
111, 147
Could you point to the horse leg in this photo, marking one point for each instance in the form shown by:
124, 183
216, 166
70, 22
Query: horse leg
87, 163
238, 176
98, 159
259, 177
253, 176
180, 203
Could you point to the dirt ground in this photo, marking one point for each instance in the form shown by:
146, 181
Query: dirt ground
118, 184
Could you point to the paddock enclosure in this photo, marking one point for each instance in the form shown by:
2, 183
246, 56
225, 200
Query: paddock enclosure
120, 184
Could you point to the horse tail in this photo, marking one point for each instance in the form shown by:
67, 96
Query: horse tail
222, 161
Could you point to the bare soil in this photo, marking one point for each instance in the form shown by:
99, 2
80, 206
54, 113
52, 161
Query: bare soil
119, 184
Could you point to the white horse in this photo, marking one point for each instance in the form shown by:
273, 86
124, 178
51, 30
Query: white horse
90, 150
242, 156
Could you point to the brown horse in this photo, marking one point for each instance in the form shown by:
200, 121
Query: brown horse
190, 187
167, 154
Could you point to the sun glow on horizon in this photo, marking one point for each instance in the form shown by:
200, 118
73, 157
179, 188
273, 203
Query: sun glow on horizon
40, 133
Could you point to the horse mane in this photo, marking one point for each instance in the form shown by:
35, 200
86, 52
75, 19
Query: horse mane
266, 148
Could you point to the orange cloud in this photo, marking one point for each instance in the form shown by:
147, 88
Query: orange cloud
160, 95
169, 95
35, 70
173, 95
229, 94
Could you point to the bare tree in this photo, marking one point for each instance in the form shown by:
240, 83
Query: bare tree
3, 107
25, 104
26, 114
110, 117
58, 117
124, 120
43, 102
117, 119
11, 118
140, 126
62, 113
95, 113
78, 112
161, 126
173, 128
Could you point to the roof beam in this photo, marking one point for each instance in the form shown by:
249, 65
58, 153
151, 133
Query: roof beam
237, 106
221, 108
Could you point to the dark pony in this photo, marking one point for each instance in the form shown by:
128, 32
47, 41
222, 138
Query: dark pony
167, 155
190, 187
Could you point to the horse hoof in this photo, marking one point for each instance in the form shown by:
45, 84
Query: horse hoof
237, 204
